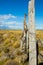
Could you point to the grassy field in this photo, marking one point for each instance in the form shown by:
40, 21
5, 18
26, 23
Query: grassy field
39, 34
10, 39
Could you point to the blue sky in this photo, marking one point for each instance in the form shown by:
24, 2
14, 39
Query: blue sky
12, 13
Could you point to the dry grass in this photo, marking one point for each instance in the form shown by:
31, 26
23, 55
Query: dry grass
11, 39
39, 34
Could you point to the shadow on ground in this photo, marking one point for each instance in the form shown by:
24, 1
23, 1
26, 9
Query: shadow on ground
41, 63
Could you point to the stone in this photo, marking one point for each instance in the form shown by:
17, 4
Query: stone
24, 38
32, 35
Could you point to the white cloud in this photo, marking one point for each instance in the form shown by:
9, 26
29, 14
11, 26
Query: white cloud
15, 27
8, 16
12, 27
6, 19
10, 22
39, 26
1, 25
